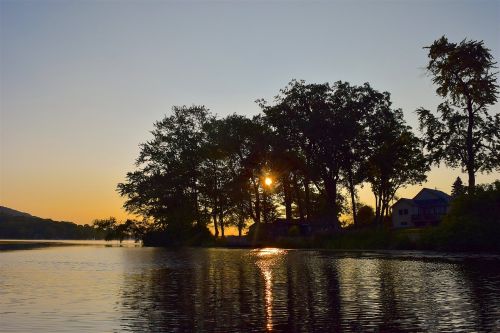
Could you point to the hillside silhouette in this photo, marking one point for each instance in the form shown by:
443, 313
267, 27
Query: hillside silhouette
20, 225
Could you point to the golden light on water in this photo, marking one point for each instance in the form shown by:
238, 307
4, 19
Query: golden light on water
268, 257
269, 251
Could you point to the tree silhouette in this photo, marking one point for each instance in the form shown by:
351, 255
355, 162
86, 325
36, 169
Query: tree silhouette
463, 134
316, 141
458, 188
165, 188
396, 157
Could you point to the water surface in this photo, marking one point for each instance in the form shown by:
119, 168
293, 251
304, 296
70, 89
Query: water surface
95, 288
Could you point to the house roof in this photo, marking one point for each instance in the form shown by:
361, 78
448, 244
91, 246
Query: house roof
430, 203
405, 200
437, 193
440, 199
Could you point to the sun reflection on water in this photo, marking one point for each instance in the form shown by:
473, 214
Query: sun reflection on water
268, 257
269, 251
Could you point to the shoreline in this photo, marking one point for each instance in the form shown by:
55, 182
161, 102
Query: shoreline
26, 244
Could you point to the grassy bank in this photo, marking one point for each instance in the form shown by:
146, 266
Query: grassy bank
368, 239
442, 238
446, 237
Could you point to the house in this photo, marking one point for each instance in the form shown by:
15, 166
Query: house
427, 208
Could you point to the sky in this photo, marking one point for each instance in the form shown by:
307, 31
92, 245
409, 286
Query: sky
82, 82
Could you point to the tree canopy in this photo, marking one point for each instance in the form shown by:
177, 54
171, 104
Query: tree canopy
314, 143
463, 134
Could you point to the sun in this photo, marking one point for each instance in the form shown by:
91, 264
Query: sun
268, 181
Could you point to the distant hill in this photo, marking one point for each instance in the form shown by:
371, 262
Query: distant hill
19, 225
12, 212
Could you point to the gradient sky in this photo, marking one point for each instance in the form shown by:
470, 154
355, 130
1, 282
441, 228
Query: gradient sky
82, 82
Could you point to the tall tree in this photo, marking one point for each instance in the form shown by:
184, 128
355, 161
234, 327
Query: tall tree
396, 158
304, 117
463, 134
358, 106
214, 178
165, 187
249, 142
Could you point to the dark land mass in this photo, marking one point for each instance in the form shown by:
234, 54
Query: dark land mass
20, 225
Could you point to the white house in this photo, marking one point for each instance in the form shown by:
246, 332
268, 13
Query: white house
427, 208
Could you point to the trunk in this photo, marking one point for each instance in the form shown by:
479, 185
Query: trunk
384, 199
307, 197
380, 196
385, 212
331, 192
377, 209
241, 224
251, 210
300, 207
257, 203
288, 197
264, 207
216, 228
472, 180
382, 212
196, 206
221, 222
470, 149
352, 190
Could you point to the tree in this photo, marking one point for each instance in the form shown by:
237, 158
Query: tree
234, 155
395, 159
107, 226
359, 105
463, 134
309, 120
137, 228
289, 156
472, 222
165, 188
214, 174
366, 215
457, 189
123, 230
238, 217
247, 142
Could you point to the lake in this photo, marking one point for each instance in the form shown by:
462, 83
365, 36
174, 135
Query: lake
96, 288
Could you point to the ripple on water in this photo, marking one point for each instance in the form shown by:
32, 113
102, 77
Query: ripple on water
93, 288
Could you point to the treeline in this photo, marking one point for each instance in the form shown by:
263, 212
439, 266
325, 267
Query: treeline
315, 145
112, 229
31, 227
311, 148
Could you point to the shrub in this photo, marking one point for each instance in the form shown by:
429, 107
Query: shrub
472, 224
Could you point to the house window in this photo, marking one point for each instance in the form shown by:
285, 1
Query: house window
404, 223
406, 211
400, 212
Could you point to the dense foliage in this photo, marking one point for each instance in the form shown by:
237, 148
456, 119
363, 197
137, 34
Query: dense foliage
464, 134
473, 222
305, 156
311, 148
111, 229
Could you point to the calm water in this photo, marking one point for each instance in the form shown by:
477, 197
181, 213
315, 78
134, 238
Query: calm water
94, 288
